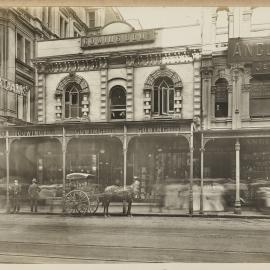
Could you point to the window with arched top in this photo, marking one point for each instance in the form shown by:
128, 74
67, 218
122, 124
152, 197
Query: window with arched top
221, 98
163, 96
118, 103
73, 101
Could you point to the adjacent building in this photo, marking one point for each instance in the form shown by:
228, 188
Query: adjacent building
235, 90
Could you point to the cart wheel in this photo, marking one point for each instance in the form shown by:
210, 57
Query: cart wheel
76, 202
93, 203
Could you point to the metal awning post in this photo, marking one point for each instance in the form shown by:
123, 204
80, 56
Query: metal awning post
191, 172
64, 148
7, 172
202, 171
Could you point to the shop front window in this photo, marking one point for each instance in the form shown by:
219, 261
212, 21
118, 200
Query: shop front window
118, 103
221, 98
73, 100
163, 96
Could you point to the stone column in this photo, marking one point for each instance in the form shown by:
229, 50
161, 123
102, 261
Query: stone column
236, 100
206, 73
237, 205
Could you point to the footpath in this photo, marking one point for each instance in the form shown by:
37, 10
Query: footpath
116, 209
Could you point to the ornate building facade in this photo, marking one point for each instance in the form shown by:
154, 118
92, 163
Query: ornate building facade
235, 107
115, 104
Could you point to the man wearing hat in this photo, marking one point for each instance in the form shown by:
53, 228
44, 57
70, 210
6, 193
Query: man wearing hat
15, 195
33, 192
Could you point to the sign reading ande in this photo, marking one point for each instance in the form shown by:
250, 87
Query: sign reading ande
248, 50
118, 39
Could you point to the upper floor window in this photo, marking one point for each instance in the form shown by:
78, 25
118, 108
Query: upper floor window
24, 50
260, 16
118, 103
221, 98
20, 47
63, 27
92, 18
163, 96
260, 98
73, 101
222, 25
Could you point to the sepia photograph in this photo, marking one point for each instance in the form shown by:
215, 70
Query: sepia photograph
134, 134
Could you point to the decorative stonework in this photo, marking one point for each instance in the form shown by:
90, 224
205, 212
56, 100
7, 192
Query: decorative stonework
90, 62
130, 97
197, 89
103, 94
41, 98
60, 95
148, 88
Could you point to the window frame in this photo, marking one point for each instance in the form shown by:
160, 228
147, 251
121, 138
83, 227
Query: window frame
265, 97
224, 113
69, 106
162, 94
122, 108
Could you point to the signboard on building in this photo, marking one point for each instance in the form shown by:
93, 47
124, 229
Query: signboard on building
260, 68
248, 50
10, 86
129, 38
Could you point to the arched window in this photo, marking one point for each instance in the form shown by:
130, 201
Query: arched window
118, 103
163, 96
73, 101
221, 98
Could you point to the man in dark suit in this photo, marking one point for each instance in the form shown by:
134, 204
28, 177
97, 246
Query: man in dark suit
33, 192
15, 195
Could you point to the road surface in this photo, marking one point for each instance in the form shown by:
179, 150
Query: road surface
57, 239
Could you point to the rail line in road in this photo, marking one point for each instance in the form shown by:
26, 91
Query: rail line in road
33, 252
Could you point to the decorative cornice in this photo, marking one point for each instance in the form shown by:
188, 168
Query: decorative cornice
90, 62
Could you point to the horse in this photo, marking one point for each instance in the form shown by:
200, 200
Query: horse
120, 193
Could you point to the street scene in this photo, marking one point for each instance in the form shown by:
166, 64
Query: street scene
134, 134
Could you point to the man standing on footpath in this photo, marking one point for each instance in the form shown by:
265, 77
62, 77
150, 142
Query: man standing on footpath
33, 192
15, 194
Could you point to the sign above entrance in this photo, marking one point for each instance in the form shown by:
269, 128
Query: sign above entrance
118, 39
248, 50
260, 68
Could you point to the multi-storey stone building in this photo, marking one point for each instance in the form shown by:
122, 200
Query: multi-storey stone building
118, 103
20, 30
235, 90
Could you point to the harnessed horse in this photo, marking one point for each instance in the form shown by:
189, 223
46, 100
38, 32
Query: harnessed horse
120, 193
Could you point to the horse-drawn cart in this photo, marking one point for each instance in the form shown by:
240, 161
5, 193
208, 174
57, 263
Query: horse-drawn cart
82, 195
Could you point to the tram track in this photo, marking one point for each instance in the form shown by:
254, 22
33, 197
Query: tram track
39, 252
